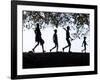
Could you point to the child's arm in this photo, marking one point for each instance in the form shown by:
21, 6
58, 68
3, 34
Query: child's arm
64, 29
71, 38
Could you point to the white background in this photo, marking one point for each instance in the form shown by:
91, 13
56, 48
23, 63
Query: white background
5, 34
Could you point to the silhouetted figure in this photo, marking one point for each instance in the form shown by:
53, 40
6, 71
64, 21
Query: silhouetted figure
55, 40
84, 43
38, 38
67, 38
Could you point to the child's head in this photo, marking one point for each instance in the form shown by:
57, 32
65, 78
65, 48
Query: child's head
37, 25
55, 31
68, 27
84, 38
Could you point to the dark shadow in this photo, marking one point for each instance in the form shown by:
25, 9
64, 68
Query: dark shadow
55, 40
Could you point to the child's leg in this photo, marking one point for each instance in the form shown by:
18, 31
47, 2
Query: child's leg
64, 48
57, 48
35, 46
52, 48
43, 48
69, 46
85, 49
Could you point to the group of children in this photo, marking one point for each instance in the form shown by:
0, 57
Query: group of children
40, 41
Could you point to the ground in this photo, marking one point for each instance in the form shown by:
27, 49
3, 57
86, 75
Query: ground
54, 59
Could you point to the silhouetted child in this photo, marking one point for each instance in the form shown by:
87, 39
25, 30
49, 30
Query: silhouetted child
38, 38
84, 43
55, 40
67, 38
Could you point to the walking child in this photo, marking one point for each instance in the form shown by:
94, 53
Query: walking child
38, 38
55, 40
84, 43
67, 38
